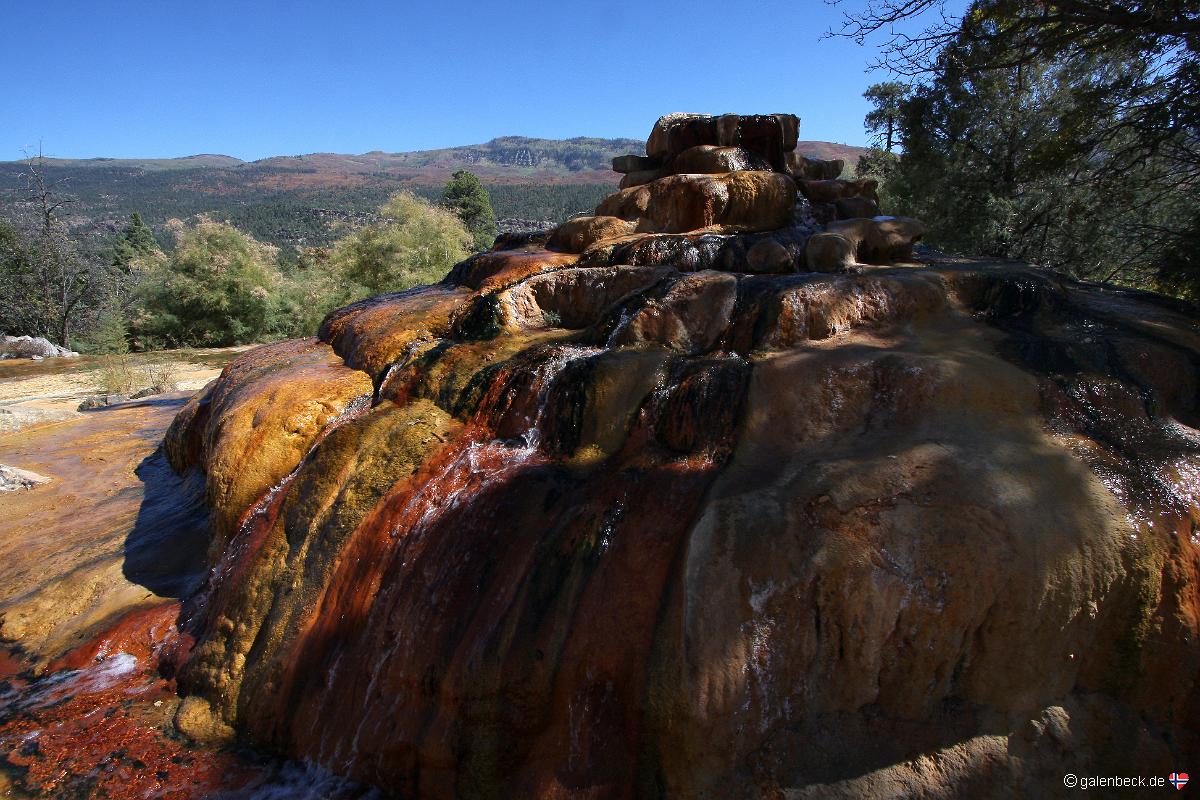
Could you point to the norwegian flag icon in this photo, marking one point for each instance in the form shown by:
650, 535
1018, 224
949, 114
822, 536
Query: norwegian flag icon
1178, 779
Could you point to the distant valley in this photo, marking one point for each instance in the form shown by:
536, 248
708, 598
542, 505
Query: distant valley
303, 200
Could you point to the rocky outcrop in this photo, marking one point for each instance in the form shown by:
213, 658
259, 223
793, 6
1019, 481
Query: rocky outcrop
677, 516
706, 182
814, 169
32, 347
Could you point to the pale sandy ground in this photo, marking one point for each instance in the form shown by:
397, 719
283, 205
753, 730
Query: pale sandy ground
61, 384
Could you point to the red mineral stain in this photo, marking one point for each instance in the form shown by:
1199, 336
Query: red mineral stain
98, 723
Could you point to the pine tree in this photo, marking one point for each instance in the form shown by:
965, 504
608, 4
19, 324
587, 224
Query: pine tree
467, 198
136, 240
883, 122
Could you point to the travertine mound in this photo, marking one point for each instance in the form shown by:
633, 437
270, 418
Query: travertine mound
707, 182
662, 518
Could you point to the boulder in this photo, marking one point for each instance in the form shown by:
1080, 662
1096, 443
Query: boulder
577, 235
829, 252
713, 159
683, 203
830, 191
856, 207
768, 256
19, 418
32, 347
13, 479
150, 391
880, 240
102, 401
814, 169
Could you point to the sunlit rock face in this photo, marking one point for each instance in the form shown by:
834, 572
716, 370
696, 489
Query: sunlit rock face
576, 525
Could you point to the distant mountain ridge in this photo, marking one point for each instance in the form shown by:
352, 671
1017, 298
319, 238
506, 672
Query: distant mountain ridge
508, 158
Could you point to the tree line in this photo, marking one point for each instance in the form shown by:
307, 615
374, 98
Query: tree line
1062, 133
215, 285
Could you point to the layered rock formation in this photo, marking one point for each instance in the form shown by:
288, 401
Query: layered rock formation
688, 500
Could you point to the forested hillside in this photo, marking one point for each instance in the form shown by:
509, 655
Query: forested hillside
292, 201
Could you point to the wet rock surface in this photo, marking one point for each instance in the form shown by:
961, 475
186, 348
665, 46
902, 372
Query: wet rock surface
114, 529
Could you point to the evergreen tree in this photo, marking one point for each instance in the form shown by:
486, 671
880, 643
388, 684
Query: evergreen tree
879, 165
136, 240
17, 283
110, 336
1008, 163
883, 121
1128, 151
467, 198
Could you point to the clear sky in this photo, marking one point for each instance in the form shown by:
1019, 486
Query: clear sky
254, 79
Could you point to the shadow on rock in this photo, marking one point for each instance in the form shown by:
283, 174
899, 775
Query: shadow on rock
166, 549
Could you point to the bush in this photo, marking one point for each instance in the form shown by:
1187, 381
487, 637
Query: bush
161, 376
416, 244
217, 289
466, 197
116, 374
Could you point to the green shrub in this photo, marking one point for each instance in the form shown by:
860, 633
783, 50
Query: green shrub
216, 289
417, 243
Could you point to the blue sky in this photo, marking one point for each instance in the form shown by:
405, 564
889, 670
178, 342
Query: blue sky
255, 79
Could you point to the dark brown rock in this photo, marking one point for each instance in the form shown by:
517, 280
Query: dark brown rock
631, 163
711, 159
767, 135
830, 191
857, 208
